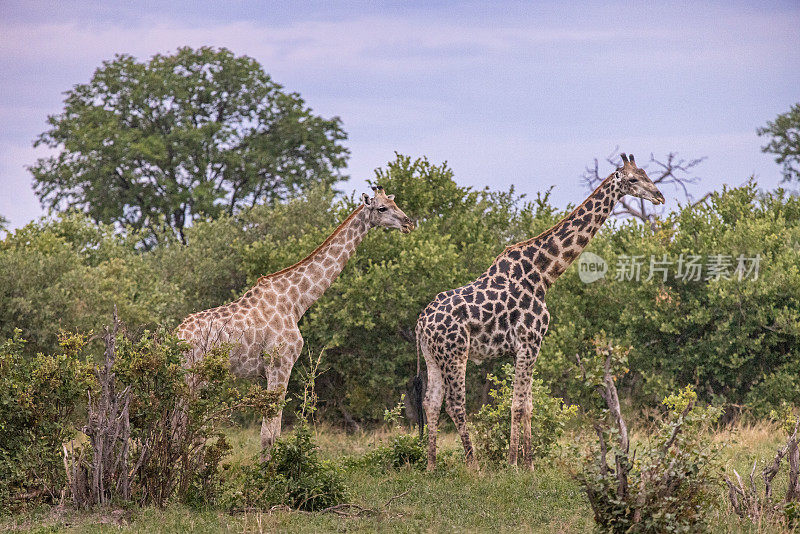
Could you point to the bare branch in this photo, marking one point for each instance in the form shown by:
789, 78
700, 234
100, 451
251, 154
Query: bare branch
793, 491
673, 171
603, 450
746, 502
677, 428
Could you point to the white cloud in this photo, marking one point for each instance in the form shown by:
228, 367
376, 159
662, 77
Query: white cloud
376, 44
368, 68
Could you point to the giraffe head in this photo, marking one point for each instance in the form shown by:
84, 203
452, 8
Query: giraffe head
634, 181
384, 212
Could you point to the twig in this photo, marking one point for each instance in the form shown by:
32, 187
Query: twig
396, 497
675, 171
340, 509
677, 428
343, 509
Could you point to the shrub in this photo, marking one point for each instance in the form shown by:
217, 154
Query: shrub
745, 499
491, 426
668, 484
403, 449
155, 428
38, 397
67, 274
293, 476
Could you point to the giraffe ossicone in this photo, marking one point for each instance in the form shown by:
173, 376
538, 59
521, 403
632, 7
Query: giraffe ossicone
504, 312
261, 326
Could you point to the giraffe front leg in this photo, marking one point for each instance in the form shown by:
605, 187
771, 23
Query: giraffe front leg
526, 430
277, 380
526, 358
278, 368
270, 432
516, 417
521, 407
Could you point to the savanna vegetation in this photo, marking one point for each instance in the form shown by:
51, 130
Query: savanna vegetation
692, 335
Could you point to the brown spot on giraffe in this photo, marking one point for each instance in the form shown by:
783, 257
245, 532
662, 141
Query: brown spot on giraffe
262, 325
506, 312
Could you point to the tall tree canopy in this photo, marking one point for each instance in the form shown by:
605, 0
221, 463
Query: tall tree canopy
785, 142
154, 145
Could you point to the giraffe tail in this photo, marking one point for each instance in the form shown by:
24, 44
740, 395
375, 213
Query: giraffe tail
418, 387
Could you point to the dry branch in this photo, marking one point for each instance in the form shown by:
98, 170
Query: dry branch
346, 509
674, 171
109, 432
746, 501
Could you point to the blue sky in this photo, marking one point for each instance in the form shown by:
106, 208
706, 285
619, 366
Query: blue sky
522, 93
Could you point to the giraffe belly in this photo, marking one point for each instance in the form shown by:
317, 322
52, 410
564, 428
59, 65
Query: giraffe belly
480, 351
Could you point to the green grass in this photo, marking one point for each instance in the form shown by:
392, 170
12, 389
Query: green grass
453, 499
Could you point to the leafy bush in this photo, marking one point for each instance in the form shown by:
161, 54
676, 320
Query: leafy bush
730, 335
401, 450
294, 476
776, 388
68, 274
491, 426
669, 483
155, 429
38, 400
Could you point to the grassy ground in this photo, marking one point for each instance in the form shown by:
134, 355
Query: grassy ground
451, 500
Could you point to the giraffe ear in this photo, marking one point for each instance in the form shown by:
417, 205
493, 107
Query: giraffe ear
365, 198
390, 197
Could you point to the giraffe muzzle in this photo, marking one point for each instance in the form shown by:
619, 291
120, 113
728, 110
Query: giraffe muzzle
407, 226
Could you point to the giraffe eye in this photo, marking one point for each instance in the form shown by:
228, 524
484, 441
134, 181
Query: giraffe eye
382, 209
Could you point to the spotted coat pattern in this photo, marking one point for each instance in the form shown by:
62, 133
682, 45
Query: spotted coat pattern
503, 311
262, 327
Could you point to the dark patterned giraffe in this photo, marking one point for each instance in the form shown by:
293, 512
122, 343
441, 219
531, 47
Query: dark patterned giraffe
504, 311
262, 324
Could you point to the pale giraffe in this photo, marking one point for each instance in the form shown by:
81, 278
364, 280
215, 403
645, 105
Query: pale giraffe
262, 324
504, 311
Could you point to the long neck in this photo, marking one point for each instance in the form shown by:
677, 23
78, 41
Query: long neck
545, 257
308, 279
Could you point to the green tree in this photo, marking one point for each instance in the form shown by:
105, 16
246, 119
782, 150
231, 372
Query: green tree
785, 142
155, 145
68, 273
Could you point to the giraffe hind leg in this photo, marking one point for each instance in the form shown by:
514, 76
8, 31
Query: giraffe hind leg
456, 407
277, 373
434, 394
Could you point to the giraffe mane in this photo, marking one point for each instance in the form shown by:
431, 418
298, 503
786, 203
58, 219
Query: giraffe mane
316, 250
552, 228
